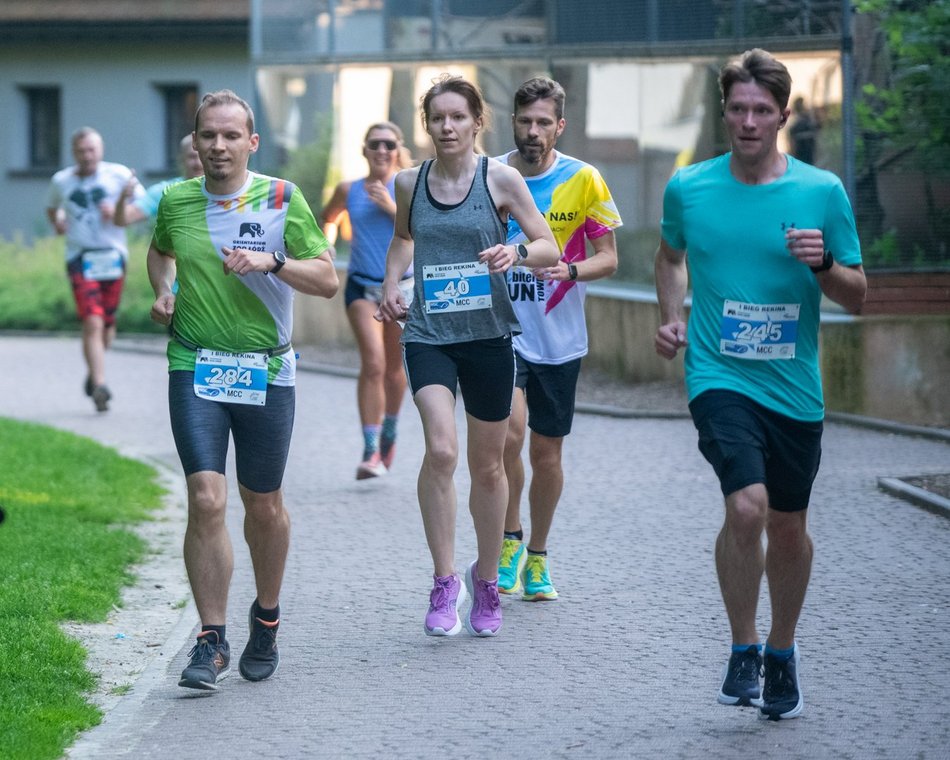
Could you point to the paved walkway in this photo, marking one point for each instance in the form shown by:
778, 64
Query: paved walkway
625, 664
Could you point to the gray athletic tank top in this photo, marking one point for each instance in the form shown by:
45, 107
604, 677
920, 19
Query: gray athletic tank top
444, 235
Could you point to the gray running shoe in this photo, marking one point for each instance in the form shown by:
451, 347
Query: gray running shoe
210, 662
100, 397
260, 657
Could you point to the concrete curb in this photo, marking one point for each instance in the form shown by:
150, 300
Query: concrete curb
919, 497
886, 426
124, 719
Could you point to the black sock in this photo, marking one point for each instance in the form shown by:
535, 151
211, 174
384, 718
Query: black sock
515, 535
268, 616
538, 554
218, 629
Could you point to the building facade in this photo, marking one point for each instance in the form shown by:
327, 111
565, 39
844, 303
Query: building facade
132, 70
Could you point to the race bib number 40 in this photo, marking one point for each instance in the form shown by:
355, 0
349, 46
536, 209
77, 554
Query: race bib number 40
759, 331
456, 287
231, 378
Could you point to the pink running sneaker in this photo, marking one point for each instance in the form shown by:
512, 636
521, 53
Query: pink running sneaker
446, 597
484, 617
371, 468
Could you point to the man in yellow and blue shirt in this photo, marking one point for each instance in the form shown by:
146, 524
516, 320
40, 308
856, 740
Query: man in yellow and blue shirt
549, 303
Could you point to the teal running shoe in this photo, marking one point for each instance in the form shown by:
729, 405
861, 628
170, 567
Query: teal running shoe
537, 580
513, 557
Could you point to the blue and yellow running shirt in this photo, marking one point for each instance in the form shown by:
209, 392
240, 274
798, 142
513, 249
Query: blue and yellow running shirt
228, 312
577, 206
753, 324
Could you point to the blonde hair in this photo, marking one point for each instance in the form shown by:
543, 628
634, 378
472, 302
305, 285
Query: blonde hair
223, 98
405, 157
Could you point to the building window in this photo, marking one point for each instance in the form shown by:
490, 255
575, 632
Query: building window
43, 113
181, 101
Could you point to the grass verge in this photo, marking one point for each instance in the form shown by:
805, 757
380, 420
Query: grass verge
65, 552
36, 294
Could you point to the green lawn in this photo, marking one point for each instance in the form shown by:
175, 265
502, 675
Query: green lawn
65, 550
36, 294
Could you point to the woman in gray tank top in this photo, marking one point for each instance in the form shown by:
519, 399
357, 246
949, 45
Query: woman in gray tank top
451, 218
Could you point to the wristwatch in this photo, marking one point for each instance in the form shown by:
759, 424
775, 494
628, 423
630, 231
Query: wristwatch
827, 262
280, 258
571, 271
521, 251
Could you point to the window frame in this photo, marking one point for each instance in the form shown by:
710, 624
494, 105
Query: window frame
44, 124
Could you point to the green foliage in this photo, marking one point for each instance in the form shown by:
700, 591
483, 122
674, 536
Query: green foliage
636, 250
913, 112
884, 252
65, 551
307, 166
36, 294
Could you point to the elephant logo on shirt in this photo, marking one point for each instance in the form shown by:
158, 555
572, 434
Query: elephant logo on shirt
254, 229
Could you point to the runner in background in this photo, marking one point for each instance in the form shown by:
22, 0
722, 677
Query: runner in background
371, 207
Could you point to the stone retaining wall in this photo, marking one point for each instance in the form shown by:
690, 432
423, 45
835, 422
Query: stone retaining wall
893, 367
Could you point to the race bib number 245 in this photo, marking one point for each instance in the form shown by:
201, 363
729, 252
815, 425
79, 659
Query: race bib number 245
762, 332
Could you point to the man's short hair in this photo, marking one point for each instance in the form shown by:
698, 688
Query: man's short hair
82, 133
224, 98
540, 88
761, 67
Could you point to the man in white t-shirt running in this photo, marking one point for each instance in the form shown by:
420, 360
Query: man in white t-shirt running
80, 204
549, 303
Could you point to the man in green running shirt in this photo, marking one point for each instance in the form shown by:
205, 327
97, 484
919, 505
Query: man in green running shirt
240, 245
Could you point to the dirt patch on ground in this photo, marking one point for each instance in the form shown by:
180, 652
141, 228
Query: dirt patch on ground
935, 484
136, 631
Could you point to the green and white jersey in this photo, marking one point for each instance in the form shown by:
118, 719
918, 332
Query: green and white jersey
228, 312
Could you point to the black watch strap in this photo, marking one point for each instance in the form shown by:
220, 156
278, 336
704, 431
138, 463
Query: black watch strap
571, 271
827, 262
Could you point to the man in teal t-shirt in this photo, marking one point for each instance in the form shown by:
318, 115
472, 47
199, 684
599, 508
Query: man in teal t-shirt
240, 245
766, 236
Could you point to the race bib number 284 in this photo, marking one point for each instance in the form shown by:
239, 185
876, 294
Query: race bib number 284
231, 378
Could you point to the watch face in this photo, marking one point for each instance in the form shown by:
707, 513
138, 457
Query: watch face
279, 255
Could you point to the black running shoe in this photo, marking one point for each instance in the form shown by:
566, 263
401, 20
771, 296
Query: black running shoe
260, 657
210, 662
740, 679
88, 387
100, 397
782, 695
